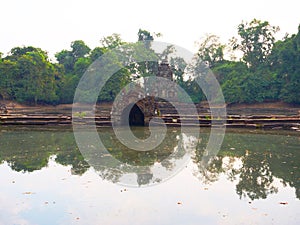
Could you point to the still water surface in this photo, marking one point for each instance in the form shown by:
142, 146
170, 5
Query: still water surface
44, 179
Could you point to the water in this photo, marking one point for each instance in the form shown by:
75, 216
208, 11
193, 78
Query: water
254, 179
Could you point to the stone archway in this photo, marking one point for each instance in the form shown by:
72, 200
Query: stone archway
139, 102
131, 106
136, 116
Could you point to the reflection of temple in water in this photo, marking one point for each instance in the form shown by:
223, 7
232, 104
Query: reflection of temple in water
139, 168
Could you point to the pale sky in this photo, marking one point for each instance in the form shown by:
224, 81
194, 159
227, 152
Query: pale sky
53, 25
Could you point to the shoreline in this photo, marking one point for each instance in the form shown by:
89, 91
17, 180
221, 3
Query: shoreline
234, 108
255, 116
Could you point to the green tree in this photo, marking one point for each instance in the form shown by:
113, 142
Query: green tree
146, 68
74, 62
66, 59
69, 58
67, 87
19, 51
29, 76
285, 61
79, 49
256, 40
147, 37
241, 85
112, 41
211, 51
8, 69
144, 35
81, 66
96, 53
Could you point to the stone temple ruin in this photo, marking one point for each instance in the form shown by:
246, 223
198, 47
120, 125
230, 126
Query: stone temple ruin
141, 103
170, 90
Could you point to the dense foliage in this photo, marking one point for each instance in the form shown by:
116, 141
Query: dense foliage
268, 70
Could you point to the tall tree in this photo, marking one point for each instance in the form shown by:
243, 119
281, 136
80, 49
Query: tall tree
285, 61
148, 67
211, 51
256, 41
79, 49
29, 76
112, 41
144, 35
8, 69
68, 58
96, 53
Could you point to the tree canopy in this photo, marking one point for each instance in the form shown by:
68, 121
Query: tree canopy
268, 70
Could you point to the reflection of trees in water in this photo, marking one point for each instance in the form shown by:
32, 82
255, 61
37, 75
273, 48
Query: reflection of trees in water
140, 158
285, 164
253, 161
208, 172
72, 156
30, 150
24, 153
122, 161
255, 176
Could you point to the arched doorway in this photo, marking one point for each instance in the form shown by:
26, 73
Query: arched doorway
136, 116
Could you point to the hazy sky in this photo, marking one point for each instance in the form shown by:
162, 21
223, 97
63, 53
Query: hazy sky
53, 25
